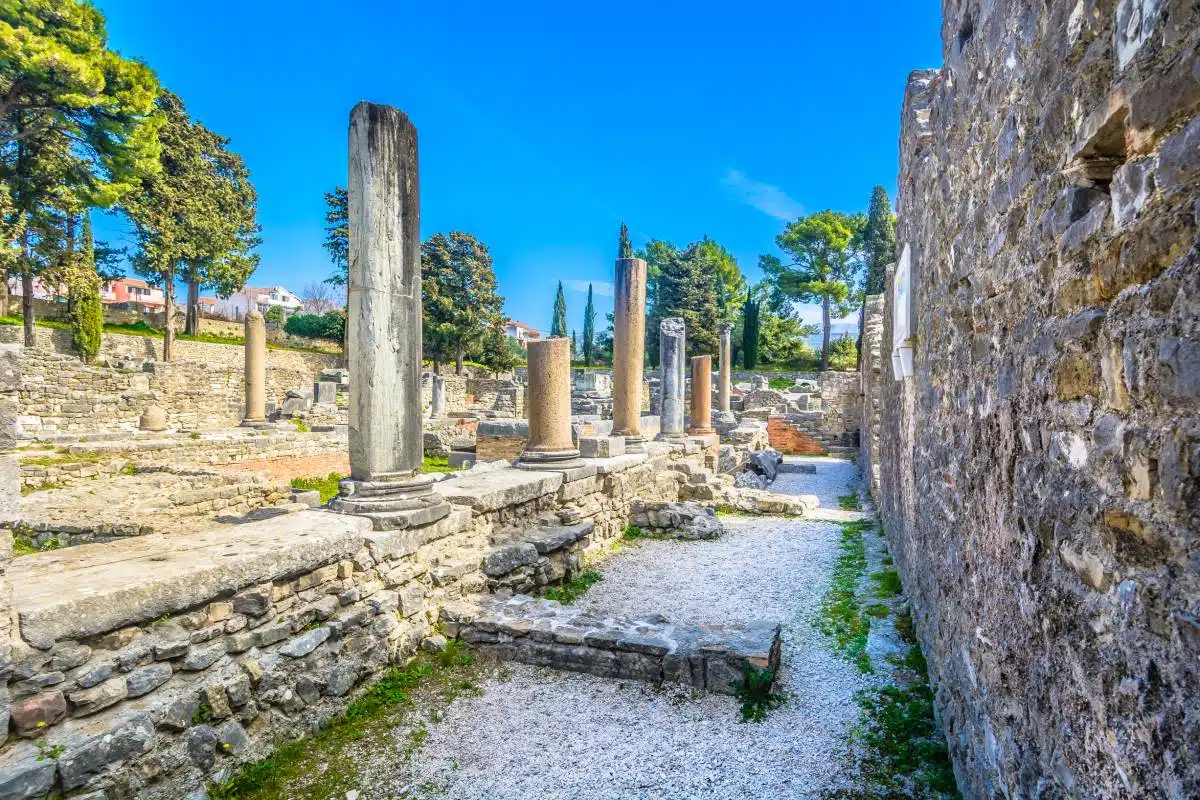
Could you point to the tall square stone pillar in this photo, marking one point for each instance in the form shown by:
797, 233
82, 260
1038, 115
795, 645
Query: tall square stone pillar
386, 447
672, 344
548, 406
725, 365
701, 396
629, 351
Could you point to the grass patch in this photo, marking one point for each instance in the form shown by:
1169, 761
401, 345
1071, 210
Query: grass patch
840, 617
755, 694
25, 544
300, 425
327, 486
780, 383
64, 456
633, 533
887, 583
849, 502
291, 771
877, 610
437, 464
45, 487
573, 588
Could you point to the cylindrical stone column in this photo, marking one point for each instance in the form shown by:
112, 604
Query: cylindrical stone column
726, 368
384, 336
672, 343
256, 369
437, 405
548, 406
701, 396
629, 349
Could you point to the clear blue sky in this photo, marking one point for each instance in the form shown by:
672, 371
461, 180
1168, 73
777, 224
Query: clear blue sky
542, 126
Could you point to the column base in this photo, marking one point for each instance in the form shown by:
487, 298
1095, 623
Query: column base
635, 444
257, 423
559, 460
406, 502
701, 432
674, 436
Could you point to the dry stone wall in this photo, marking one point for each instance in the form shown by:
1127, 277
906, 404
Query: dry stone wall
201, 388
1040, 469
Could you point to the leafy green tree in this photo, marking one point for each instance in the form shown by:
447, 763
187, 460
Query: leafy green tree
589, 330
558, 325
337, 234
624, 248
459, 297
195, 213
496, 351
843, 353
77, 125
223, 260
824, 266
656, 253
730, 283
687, 287
604, 343
275, 316
878, 240
331, 325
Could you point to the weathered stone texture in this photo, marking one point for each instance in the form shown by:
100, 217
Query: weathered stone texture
1041, 468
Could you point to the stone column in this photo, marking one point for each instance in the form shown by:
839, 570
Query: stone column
726, 376
548, 404
384, 326
437, 405
629, 350
256, 370
701, 396
672, 340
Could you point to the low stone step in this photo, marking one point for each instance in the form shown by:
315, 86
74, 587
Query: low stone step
544, 633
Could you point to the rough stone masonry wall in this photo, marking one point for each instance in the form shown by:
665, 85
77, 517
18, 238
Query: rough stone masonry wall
149, 667
201, 388
873, 371
10, 377
1040, 469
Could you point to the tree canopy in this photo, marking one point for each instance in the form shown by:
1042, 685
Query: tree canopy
337, 234
878, 240
459, 297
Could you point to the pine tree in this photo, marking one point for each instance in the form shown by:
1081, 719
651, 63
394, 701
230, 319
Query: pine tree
558, 326
574, 351
878, 240
624, 248
687, 287
459, 299
77, 125
589, 330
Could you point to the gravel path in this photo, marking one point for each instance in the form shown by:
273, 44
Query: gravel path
536, 733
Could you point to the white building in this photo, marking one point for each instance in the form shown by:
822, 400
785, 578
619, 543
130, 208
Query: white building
235, 306
521, 332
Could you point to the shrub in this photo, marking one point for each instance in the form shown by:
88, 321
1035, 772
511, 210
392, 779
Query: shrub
87, 322
274, 316
331, 325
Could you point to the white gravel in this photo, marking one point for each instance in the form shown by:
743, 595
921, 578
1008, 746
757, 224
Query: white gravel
542, 734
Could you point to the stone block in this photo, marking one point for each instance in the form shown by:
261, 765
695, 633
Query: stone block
601, 446
131, 736
461, 459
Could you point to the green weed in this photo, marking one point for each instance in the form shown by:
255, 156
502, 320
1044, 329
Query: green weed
327, 486
877, 610
755, 693
437, 464
573, 588
887, 583
840, 617
849, 502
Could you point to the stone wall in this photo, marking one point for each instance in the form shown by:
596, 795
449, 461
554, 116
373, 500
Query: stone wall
201, 388
149, 665
874, 369
10, 378
1041, 467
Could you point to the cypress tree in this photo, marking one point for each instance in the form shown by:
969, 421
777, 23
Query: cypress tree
573, 350
879, 240
83, 301
750, 334
589, 330
624, 248
558, 327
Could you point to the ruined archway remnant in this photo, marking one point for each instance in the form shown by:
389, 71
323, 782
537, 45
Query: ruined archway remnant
701, 396
386, 448
672, 344
256, 370
549, 445
629, 350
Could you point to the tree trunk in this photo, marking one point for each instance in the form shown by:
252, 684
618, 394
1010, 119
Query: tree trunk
169, 296
437, 367
458, 358
825, 336
27, 307
3, 293
191, 322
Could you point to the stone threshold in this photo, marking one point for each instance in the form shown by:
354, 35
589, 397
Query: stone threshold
544, 633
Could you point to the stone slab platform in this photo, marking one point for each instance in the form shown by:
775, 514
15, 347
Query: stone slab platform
651, 648
91, 589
